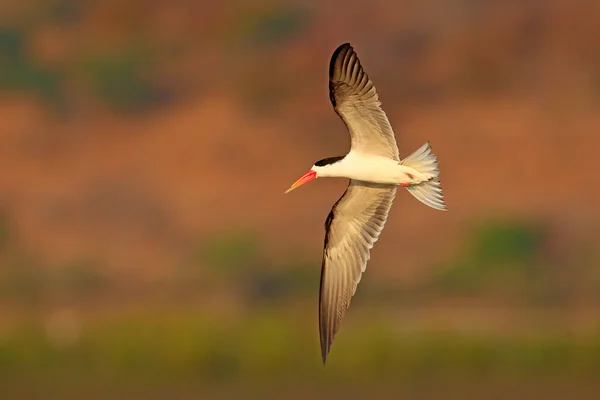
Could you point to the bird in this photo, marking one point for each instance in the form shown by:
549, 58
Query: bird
375, 171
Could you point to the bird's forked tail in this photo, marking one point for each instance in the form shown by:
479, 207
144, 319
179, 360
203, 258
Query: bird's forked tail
428, 192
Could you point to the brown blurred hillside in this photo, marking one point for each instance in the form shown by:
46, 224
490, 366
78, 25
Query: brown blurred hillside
132, 129
134, 134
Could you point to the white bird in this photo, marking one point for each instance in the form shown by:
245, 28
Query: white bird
375, 171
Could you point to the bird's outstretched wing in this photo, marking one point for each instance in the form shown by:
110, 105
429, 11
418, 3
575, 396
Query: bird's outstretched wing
355, 100
351, 229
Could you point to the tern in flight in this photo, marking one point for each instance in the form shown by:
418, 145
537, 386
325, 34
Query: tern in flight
375, 171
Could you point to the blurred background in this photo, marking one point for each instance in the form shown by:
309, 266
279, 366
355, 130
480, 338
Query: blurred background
147, 249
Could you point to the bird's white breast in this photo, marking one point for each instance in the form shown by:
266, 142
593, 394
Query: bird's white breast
369, 168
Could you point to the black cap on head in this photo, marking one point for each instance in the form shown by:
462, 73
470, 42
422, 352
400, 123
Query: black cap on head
327, 161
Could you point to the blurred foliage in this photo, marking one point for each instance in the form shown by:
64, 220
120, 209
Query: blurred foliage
5, 229
295, 279
64, 12
26, 281
231, 253
123, 80
501, 261
79, 278
263, 95
263, 347
23, 281
19, 71
238, 256
496, 253
506, 242
275, 24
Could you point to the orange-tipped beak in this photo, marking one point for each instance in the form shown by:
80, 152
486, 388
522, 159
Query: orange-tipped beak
307, 177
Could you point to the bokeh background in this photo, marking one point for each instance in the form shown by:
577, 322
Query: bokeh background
147, 249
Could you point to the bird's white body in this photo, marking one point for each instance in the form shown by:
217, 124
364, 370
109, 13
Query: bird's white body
372, 168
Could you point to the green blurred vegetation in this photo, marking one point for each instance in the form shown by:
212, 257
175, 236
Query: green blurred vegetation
496, 252
239, 258
63, 12
5, 229
25, 282
500, 261
273, 24
272, 337
262, 28
123, 79
510, 261
126, 77
19, 71
267, 346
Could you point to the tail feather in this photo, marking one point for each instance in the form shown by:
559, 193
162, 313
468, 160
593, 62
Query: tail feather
430, 191
423, 161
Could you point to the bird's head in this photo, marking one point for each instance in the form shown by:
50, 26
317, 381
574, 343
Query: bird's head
320, 169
